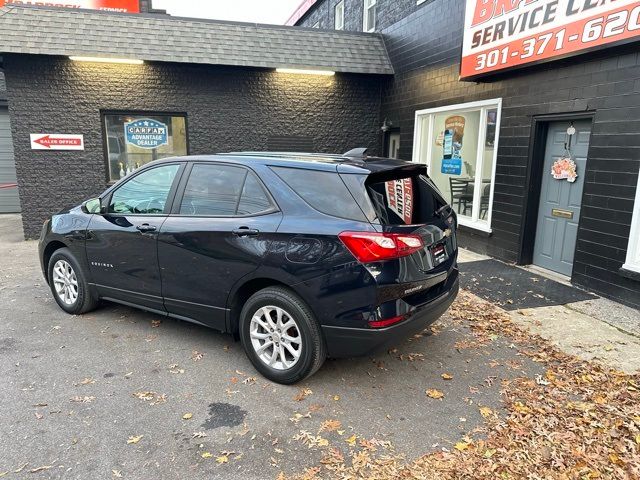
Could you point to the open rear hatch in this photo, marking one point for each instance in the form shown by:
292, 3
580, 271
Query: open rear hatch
405, 204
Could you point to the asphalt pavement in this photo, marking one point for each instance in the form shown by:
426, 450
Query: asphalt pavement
119, 393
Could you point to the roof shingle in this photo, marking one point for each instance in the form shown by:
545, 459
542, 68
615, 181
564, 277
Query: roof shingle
57, 31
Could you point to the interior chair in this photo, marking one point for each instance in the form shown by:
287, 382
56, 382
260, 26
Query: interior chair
461, 194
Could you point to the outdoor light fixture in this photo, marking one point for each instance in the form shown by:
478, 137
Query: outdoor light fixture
305, 72
130, 61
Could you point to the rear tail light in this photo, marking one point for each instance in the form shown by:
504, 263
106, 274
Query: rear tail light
370, 247
387, 322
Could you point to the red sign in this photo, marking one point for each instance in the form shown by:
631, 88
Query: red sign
51, 141
126, 6
400, 198
300, 11
501, 34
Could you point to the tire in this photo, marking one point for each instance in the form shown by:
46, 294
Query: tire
79, 299
304, 336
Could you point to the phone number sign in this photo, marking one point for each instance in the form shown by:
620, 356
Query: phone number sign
502, 34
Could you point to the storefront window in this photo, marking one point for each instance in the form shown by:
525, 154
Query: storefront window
458, 143
135, 139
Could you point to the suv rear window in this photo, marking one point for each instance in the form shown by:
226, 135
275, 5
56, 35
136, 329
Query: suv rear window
324, 191
397, 200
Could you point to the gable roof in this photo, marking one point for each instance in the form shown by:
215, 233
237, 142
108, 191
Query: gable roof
59, 31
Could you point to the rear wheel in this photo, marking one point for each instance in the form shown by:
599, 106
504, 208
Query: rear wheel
281, 336
68, 283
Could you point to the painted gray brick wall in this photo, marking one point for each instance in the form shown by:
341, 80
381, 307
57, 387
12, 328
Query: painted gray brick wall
389, 12
3, 88
227, 109
425, 51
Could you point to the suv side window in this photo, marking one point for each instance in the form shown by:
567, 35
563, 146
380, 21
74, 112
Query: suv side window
324, 191
146, 193
223, 191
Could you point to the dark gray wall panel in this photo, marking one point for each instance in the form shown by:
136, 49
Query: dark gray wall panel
227, 109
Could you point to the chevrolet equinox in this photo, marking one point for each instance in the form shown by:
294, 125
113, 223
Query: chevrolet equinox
300, 256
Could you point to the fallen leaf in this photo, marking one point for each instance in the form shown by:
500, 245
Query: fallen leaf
302, 394
133, 439
447, 376
155, 323
206, 455
86, 381
352, 440
330, 425
298, 416
85, 399
336, 398
485, 412
187, 416
433, 393
461, 446
196, 355
199, 435
144, 395
116, 473
40, 469
222, 459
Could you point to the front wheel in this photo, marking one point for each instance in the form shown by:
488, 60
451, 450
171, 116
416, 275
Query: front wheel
281, 336
68, 283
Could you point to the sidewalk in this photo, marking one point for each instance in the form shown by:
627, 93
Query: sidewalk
578, 322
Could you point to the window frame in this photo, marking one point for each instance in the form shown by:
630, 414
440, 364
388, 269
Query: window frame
373, 4
430, 113
171, 196
136, 113
335, 15
632, 261
181, 188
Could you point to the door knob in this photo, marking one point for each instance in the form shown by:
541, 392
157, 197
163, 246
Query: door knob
145, 227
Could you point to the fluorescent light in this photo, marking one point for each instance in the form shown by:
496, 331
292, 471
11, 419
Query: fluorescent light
130, 61
305, 72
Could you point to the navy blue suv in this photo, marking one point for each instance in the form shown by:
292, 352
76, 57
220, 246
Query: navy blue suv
300, 256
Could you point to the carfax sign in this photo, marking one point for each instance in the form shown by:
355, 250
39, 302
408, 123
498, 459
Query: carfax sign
146, 133
501, 34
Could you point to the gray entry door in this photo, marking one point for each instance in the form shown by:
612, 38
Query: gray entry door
9, 202
560, 200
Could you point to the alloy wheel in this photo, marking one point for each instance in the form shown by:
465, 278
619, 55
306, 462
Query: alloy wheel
275, 337
65, 282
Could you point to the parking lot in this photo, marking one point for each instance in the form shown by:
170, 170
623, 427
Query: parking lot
120, 393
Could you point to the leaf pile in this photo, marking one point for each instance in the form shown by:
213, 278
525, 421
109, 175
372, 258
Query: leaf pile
580, 420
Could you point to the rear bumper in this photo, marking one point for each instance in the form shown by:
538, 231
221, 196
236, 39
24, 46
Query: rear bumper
354, 342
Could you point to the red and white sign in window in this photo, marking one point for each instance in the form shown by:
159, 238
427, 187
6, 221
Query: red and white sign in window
502, 34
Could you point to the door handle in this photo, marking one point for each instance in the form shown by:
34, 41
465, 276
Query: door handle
145, 227
245, 232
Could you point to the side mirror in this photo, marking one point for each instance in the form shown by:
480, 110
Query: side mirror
93, 206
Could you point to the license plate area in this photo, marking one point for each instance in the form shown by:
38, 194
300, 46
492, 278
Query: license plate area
438, 254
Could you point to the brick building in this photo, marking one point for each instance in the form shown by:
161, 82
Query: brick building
537, 147
517, 211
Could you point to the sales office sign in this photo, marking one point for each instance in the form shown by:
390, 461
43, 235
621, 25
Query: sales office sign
501, 34
56, 141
